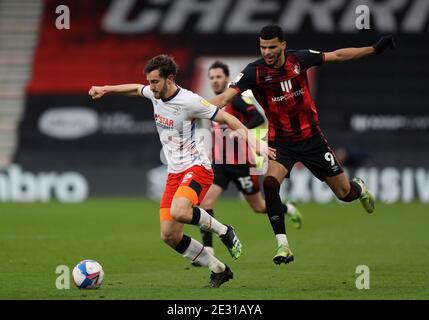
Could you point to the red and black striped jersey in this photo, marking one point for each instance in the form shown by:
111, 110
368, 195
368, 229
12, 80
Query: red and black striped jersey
284, 93
225, 149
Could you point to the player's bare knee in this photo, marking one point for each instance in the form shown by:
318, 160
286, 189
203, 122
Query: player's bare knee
181, 213
170, 238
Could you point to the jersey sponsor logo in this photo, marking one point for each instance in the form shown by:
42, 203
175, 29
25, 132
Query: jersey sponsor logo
288, 96
278, 99
164, 122
296, 68
286, 86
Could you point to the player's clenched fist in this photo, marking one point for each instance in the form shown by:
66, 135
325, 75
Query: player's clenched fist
97, 92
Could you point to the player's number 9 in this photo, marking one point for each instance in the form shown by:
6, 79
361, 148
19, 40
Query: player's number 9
330, 157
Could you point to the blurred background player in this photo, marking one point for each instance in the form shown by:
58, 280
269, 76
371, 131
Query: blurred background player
190, 176
279, 83
226, 165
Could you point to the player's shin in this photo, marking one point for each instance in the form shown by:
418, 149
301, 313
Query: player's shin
275, 209
206, 222
195, 251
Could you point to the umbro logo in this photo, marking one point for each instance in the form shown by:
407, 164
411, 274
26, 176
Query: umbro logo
286, 86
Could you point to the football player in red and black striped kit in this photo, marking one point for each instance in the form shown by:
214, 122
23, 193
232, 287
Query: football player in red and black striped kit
279, 83
227, 165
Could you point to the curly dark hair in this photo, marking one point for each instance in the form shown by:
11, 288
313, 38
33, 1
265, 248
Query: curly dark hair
271, 31
164, 63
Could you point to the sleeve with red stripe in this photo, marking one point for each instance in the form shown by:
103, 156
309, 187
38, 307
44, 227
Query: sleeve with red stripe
245, 80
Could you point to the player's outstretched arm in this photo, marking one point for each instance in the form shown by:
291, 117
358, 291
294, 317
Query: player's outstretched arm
131, 89
232, 122
243, 132
222, 99
348, 54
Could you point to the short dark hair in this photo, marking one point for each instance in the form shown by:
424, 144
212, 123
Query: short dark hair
164, 63
221, 65
270, 32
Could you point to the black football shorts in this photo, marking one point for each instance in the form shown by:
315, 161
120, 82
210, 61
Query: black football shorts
239, 174
314, 153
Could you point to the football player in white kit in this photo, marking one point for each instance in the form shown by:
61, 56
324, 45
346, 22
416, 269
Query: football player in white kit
189, 167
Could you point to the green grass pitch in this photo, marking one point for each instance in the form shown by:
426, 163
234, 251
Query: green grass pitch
123, 235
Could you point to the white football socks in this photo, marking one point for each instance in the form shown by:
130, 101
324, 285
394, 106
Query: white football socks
282, 240
208, 223
197, 253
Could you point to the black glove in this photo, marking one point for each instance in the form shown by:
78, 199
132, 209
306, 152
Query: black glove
383, 43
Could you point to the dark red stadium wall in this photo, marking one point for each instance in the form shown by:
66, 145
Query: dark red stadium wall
68, 62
